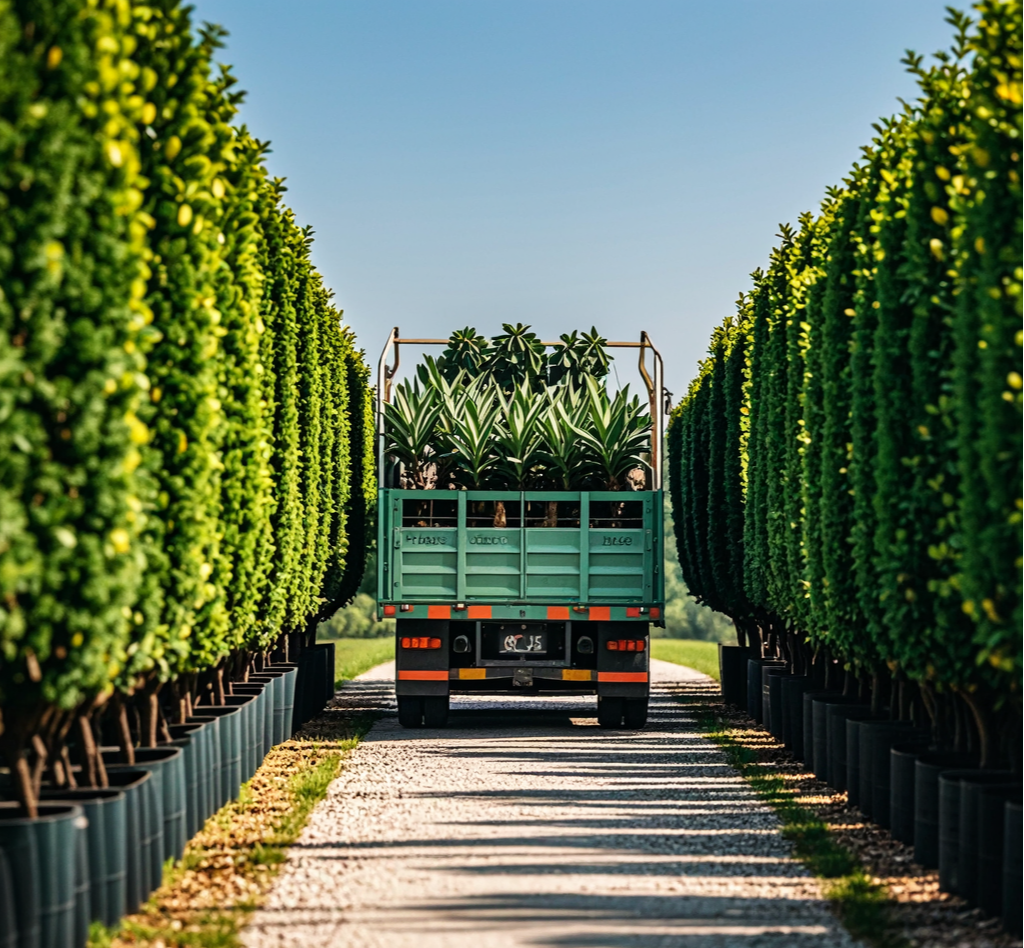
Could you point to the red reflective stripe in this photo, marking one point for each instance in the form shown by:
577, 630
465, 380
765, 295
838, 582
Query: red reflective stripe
600, 614
655, 612
558, 612
622, 676
479, 612
439, 612
423, 676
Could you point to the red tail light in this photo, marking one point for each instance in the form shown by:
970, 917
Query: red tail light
422, 641
389, 611
627, 645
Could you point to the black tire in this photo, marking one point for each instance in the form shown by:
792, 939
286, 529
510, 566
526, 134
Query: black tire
435, 711
410, 710
636, 712
610, 711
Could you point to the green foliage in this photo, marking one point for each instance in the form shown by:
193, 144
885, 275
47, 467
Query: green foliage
187, 442
872, 448
73, 329
500, 425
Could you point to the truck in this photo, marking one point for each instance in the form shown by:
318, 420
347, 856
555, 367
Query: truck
520, 591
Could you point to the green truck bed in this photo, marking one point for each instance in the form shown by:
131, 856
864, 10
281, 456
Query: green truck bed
521, 554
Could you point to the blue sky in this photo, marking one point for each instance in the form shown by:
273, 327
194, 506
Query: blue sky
562, 163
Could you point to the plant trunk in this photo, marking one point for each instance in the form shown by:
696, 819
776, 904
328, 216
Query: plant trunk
124, 733
93, 771
741, 633
983, 725
150, 714
39, 764
551, 515
500, 519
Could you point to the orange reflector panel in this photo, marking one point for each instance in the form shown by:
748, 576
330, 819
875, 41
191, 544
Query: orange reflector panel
577, 674
479, 612
439, 612
389, 610
600, 614
472, 673
632, 612
622, 676
558, 612
655, 613
412, 675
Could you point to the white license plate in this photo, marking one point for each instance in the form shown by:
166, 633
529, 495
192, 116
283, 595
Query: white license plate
523, 643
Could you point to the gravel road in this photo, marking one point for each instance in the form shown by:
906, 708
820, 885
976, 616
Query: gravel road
523, 823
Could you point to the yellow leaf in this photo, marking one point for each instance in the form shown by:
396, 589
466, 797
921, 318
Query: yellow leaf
148, 113
182, 443
935, 245
184, 215
53, 57
939, 215
120, 540
172, 148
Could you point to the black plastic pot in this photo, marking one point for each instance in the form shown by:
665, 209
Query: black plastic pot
229, 743
135, 784
170, 761
272, 684
882, 739
42, 853
876, 738
1012, 855
755, 695
902, 766
971, 842
836, 715
106, 847
991, 825
793, 689
809, 697
8, 907
191, 738
83, 909
732, 670
208, 788
260, 720
151, 822
926, 803
285, 708
953, 866
251, 732
772, 678
820, 708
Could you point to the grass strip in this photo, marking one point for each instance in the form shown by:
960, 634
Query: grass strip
208, 896
352, 657
693, 653
861, 904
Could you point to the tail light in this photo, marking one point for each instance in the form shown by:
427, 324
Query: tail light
627, 645
421, 641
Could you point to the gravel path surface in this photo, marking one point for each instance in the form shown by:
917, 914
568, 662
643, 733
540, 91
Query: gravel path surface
523, 823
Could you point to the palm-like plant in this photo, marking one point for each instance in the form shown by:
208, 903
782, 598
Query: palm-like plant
481, 416
467, 351
615, 431
517, 357
564, 455
579, 356
470, 433
409, 423
519, 437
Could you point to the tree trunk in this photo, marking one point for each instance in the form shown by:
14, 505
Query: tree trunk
93, 771
150, 714
551, 515
983, 724
124, 733
500, 519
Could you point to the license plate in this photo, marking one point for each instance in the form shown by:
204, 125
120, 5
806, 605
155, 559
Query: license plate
523, 643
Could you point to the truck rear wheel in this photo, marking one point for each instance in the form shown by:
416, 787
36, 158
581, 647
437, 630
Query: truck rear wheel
609, 712
435, 710
410, 710
635, 712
